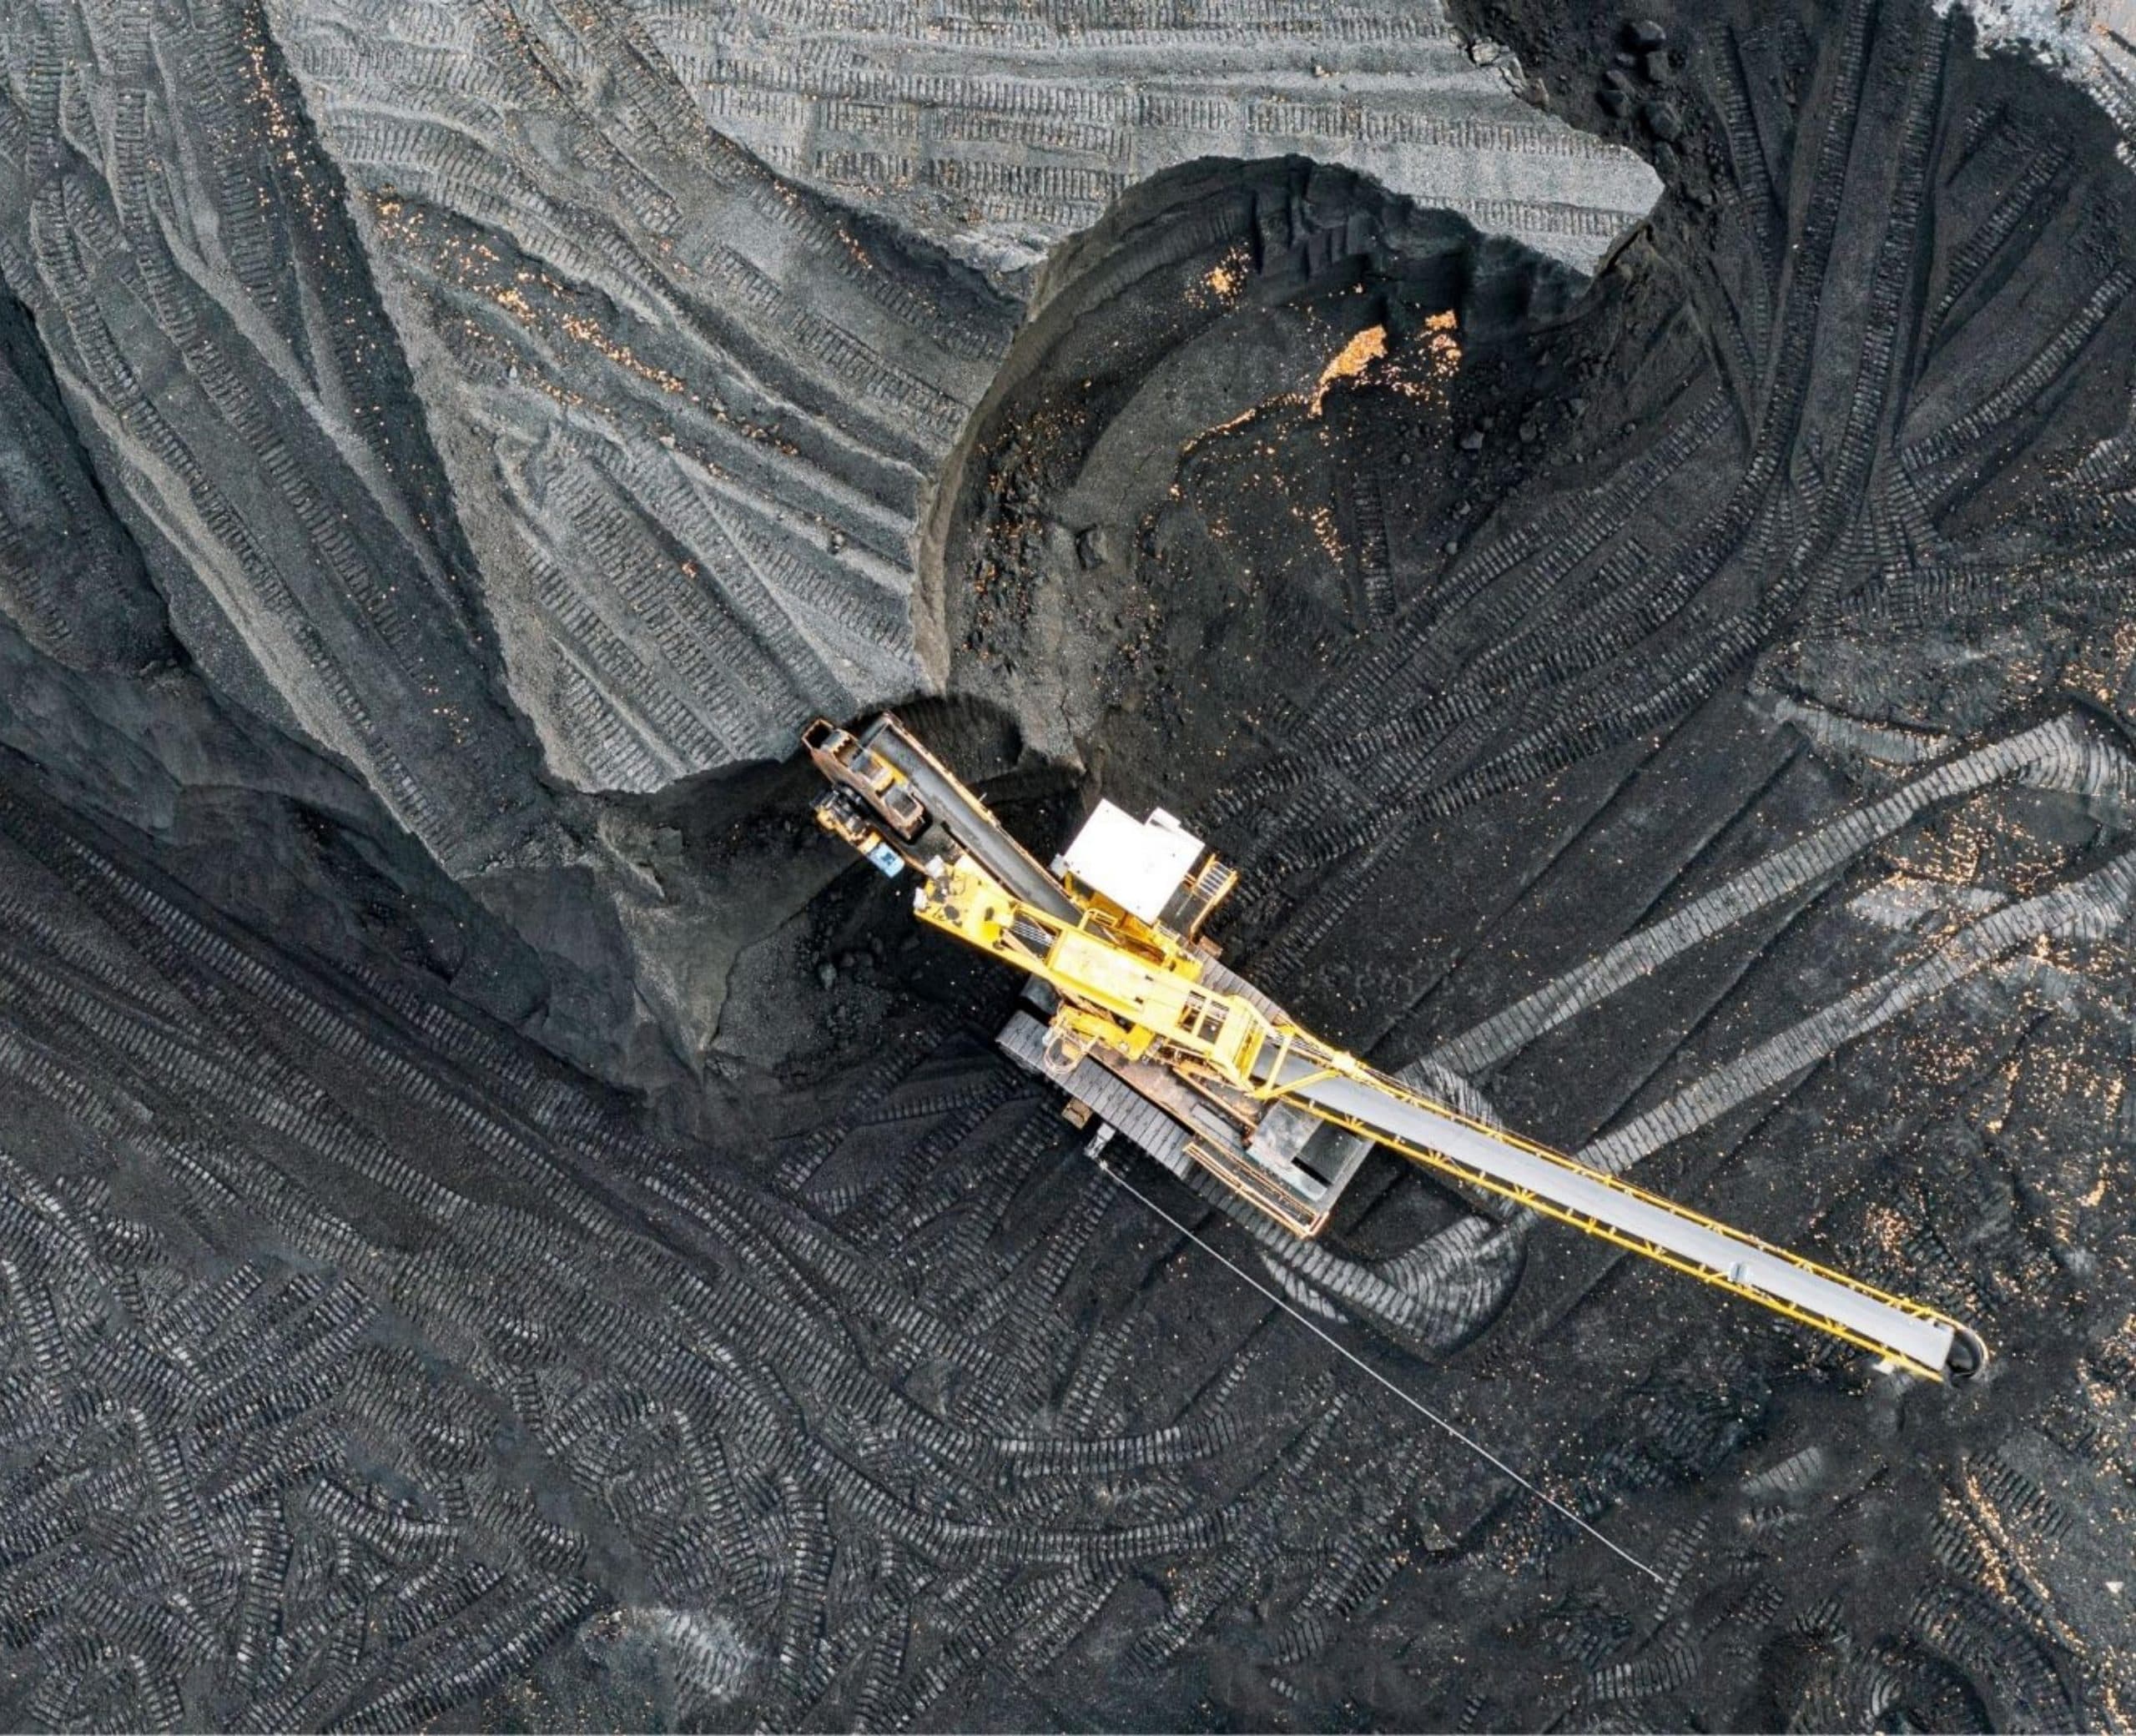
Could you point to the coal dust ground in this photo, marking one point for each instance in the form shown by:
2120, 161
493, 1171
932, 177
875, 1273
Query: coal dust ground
591, 1268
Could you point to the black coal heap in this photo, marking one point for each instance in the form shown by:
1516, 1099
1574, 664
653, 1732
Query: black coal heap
502, 1224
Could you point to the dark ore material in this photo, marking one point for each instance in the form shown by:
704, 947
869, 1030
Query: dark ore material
504, 1226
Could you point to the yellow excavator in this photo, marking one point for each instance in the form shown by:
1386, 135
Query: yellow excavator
1147, 1031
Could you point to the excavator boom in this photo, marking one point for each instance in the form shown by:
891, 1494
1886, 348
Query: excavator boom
1200, 1067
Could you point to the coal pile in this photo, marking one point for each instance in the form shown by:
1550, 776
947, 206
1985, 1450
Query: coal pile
1619, 521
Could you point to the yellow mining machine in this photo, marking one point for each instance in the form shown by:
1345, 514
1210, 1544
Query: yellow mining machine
1151, 1035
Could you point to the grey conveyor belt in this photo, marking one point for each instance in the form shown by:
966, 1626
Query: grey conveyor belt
1741, 1263
970, 824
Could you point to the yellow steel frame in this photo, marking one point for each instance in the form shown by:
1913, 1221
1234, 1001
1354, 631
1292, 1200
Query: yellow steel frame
1131, 991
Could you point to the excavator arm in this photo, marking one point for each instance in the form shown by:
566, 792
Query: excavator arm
1114, 938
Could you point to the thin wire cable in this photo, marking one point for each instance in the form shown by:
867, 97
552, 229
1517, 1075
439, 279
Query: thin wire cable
1416, 1405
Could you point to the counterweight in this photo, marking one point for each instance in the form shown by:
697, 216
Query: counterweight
1147, 1027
